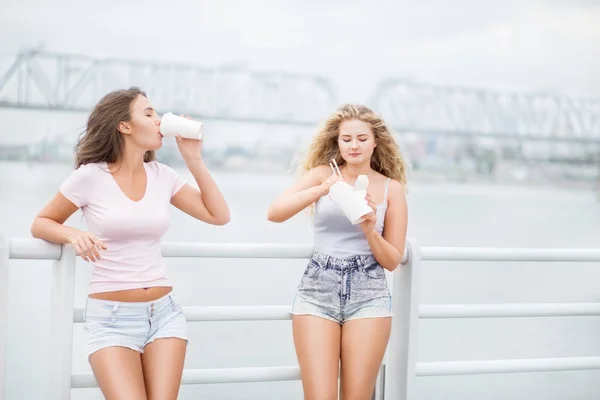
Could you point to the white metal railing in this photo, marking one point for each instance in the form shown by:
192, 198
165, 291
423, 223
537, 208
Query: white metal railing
403, 389
61, 379
396, 380
4, 260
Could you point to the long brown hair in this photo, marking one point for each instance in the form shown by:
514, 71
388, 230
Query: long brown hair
386, 159
101, 140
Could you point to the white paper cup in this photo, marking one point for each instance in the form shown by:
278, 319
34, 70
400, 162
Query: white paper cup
172, 125
352, 203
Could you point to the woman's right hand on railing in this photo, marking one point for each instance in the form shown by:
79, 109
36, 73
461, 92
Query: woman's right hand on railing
87, 245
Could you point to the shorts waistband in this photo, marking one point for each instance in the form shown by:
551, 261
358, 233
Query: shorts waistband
343, 263
171, 296
100, 307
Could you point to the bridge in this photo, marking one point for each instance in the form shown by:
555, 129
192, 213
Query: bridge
477, 112
37, 79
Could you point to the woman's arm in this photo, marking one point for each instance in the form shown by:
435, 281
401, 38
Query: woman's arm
48, 225
388, 248
307, 190
207, 204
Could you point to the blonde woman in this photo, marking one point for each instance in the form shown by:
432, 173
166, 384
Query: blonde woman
342, 310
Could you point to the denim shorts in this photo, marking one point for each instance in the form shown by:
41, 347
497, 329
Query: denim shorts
342, 289
132, 325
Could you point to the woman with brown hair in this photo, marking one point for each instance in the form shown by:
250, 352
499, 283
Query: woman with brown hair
342, 310
136, 331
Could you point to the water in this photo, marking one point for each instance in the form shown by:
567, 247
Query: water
440, 215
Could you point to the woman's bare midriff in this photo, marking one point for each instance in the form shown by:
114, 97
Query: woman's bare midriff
134, 295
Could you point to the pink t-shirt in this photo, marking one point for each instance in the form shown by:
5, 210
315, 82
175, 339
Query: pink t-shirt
130, 230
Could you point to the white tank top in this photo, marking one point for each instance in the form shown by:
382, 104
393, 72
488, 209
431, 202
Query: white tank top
335, 235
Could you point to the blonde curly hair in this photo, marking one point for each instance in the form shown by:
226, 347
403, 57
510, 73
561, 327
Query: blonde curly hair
386, 159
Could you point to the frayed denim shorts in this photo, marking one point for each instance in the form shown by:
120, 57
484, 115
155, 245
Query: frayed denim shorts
342, 289
132, 325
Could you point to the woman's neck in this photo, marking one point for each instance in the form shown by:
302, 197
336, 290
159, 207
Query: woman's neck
352, 172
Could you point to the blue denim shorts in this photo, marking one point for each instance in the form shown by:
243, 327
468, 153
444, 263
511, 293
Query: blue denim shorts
132, 325
342, 289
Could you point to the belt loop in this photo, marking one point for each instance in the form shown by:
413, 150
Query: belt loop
173, 300
87, 302
113, 318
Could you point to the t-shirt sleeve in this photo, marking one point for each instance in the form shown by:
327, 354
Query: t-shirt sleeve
76, 188
171, 178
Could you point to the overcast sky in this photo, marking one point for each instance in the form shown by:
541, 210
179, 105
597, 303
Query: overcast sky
518, 45
507, 45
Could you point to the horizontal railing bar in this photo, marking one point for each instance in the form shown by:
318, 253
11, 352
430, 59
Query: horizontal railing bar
225, 313
32, 249
203, 376
238, 313
78, 315
509, 310
237, 250
282, 313
506, 366
22, 248
508, 254
25, 248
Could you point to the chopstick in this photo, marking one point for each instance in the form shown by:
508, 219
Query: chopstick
332, 163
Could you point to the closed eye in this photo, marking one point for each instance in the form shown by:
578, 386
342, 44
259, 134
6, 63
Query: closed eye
360, 139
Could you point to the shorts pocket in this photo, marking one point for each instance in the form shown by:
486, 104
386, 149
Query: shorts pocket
99, 316
373, 271
93, 325
313, 269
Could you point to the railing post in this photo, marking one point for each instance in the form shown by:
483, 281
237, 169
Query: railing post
402, 352
4, 257
61, 336
379, 392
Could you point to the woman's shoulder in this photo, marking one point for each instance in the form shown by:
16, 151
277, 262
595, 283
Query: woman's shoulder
157, 166
321, 170
154, 165
161, 171
91, 168
319, 173
393, 186
395, 189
